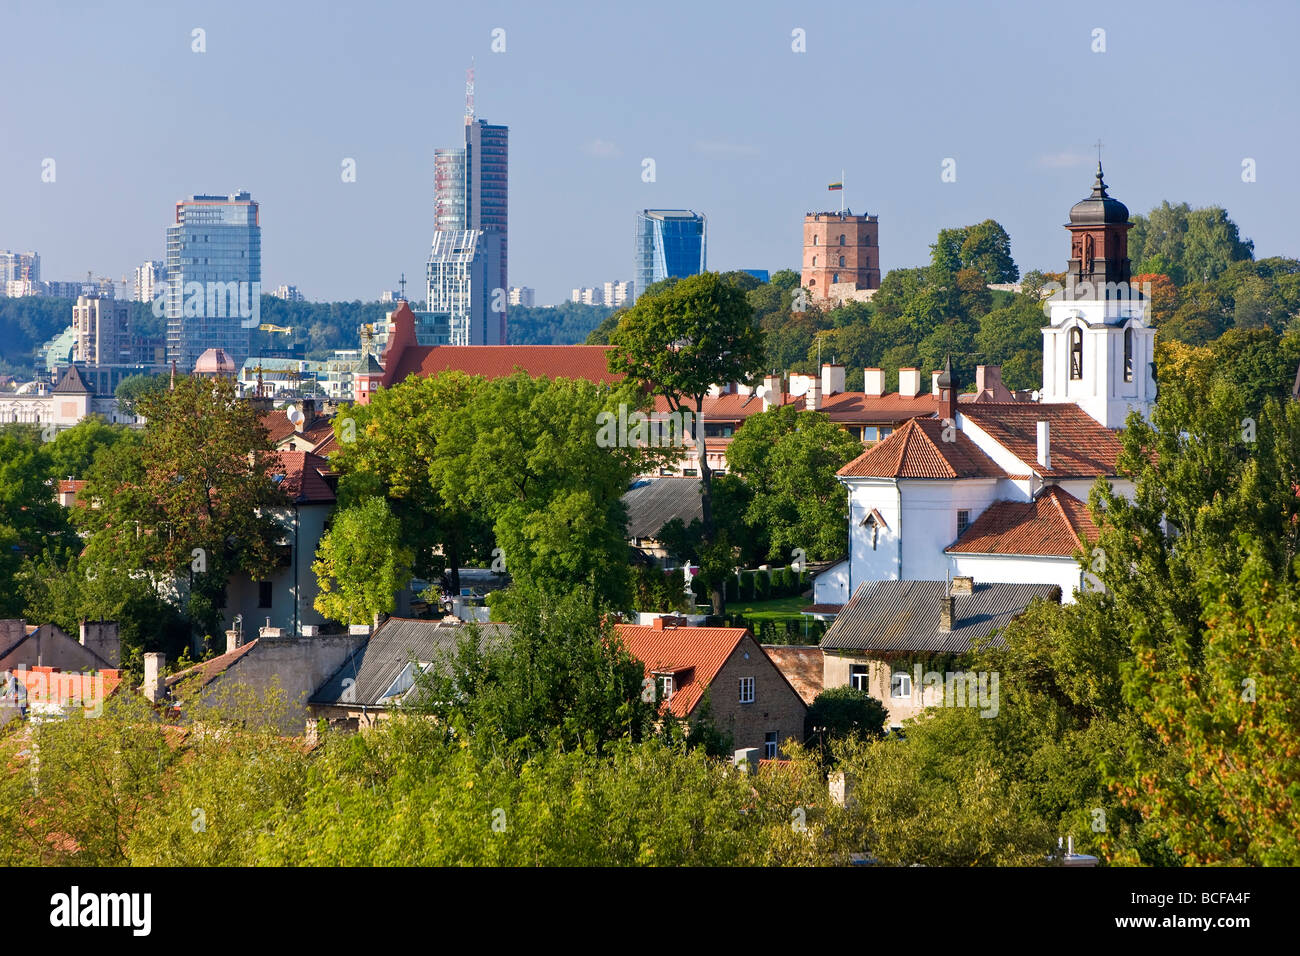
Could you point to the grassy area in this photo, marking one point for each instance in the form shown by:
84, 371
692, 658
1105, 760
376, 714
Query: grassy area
779, 609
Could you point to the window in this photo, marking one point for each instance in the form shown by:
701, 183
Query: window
841, 243
814, 240
666, 686
841, 262
814, 262
900, 685
747, 690
871, 522
769, 745
858, 677
835, 278
264, 594
1128, 354
1076, 353
963, 522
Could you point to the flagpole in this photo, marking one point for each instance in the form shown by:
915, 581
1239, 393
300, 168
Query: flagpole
841, 192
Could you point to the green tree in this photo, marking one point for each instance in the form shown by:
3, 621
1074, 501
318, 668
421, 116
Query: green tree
839, 712
132, 388
360, 564
680, 343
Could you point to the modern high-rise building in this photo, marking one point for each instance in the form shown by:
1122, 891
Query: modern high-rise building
669, 243
464, 268
471, 194
103, 330
214, 277
19, 266
148, 278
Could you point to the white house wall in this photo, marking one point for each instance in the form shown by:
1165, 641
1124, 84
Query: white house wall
1065, 573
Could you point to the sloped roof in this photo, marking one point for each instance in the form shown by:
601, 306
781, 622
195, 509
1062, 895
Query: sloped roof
1055, 524
73, 382
656, 502
856, 407
208, 671
693, 654
495, 361
904, 615
803, 667
303, 482
279, 427
918, 450
1080, 446
368, 673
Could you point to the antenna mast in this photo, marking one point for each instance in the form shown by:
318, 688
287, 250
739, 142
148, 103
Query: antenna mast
469, 94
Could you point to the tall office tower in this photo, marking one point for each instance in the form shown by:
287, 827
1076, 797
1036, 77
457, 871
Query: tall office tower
463, 270
20, 267
669, 242
471, 193
214, 277
102, 326
148, 277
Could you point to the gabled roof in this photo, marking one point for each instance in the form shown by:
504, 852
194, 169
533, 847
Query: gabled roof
372, 669
803, 667
858, 408
496, 361
206, 672
918, 450
654, 503
1080, 446
693, 654
73, 383
1055, 524
904, 615
280, 428
303, 481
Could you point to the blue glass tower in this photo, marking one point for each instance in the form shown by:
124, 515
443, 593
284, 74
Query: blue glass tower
669, 243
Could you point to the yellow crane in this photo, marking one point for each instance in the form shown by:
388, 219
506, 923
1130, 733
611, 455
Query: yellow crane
275, 328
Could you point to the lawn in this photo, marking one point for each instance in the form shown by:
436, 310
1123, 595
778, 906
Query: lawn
778, 609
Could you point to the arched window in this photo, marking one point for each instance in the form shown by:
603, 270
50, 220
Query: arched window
814, 240
812, 282
1076, 353
841, 238
841, 262
836, 277
1128, 354
814, 262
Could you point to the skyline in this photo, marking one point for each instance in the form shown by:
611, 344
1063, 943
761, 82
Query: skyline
286, 98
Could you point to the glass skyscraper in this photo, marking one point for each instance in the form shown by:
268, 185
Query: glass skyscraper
669, 243
214, 277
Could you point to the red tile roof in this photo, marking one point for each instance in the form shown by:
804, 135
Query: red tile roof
693, 654
495, 361
918, 450
279, 427
303, 481
857, 408
1055, 524
802, 666
209, 670
70, 486
1080, 446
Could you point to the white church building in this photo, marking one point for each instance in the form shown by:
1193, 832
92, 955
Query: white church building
997, 491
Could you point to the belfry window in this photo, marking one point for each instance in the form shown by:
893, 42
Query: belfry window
1128, 354
841, 239
1076, 353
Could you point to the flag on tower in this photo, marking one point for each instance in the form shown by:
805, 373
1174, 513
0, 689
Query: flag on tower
833, 186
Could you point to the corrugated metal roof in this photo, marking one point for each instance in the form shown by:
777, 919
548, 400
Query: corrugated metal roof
373, 668
904, 615
652, 505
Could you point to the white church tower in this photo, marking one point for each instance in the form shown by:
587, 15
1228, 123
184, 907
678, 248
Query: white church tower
1098, 350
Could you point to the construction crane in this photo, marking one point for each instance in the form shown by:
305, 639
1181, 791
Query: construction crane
275, 328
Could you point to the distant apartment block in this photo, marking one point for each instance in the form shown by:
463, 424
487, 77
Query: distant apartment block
593, 296
103, 331
19, 267
522, 295
149, 277
214, 277
668, 243
618, 293
290, 293
841, 255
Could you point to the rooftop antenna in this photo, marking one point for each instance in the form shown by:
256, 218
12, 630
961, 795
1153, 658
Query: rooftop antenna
469, 94
402, 283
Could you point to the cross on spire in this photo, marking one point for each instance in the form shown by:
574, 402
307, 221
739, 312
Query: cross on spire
1098, 145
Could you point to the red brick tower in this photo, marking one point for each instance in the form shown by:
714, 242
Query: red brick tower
840, 248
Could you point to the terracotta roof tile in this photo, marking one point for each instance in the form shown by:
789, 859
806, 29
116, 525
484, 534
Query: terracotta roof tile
694, 654
1055, 524
917, 450
496, 361
1080, 446
303, 481
803, 667
209, 670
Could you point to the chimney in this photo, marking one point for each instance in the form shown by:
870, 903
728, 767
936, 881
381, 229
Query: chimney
963, 585
772, 389
232, 641
308, 406
832, 379
909, 382
359, 629
747, 760
946, 616
934, 383
813, 398
658, 624
990, 377
841, 788
154, 687
1045, 444
102, 639
873, 381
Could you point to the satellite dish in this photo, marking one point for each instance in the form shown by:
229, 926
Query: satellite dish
760, 391
294, 415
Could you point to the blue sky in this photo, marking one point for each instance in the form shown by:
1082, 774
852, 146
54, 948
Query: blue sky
740, 126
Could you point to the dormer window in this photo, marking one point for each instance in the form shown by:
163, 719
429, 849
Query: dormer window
666, 686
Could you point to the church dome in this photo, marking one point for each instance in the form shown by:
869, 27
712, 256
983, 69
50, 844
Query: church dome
1098, 209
